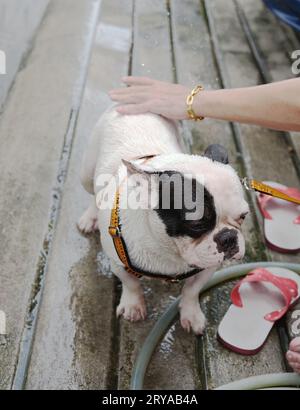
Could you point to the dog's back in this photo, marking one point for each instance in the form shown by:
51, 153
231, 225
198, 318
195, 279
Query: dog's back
118, 136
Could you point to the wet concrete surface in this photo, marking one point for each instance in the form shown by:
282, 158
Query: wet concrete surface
19, 21
33, 127
60, 300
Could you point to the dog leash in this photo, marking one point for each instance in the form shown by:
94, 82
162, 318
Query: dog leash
254, 185
121, 248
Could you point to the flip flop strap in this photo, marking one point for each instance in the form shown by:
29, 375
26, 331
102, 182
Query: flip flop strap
264, 199
288, 288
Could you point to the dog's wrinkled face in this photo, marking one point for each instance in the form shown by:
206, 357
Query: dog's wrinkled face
206, 206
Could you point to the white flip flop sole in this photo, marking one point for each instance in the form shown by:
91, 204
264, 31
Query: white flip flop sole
281, 233
245, 330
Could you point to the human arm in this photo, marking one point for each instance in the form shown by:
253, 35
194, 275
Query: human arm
275, 105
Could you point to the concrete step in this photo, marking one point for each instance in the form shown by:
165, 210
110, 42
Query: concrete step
53, 104
19, 21
76, 343
36, 131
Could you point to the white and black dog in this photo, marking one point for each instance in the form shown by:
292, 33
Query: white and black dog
163, 239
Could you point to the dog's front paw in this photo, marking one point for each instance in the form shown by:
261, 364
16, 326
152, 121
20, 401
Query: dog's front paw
191, 317
132, 306
88, 222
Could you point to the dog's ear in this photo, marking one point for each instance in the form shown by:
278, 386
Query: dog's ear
136, 167
217, 152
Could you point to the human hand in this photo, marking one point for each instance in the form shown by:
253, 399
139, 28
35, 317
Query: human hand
293, 354
147, 95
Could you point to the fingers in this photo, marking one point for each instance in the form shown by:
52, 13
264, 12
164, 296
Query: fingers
129, 95
295, 345
293, 357
127, 98
294, 360
130, 90
130, 109
137, 80
295, 367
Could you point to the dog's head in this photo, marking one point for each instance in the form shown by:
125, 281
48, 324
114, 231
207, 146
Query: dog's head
199, 200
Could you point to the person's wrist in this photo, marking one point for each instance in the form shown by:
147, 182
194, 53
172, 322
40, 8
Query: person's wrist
190, 103
200, 102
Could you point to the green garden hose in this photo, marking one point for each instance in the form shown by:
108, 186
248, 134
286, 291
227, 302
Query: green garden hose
168, 317
263, 382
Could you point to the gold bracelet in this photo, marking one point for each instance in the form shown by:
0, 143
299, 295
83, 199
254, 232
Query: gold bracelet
189, 102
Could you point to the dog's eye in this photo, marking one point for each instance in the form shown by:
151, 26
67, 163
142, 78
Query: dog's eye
242, 218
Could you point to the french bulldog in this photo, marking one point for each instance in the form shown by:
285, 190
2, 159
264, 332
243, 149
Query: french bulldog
167, 239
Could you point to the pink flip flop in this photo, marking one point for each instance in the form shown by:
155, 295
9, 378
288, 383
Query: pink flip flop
281, 220
259, 300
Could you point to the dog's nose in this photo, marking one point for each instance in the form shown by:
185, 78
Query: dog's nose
227, 242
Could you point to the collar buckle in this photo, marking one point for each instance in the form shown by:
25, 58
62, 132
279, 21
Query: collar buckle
114, 231
246, 184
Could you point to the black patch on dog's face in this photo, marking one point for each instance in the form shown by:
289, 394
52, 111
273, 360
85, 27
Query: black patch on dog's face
175, 219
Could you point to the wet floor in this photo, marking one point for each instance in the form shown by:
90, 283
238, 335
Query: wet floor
62, 58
